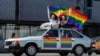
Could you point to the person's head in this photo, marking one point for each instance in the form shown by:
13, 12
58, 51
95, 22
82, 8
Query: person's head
63, 17
13, 35
53, 16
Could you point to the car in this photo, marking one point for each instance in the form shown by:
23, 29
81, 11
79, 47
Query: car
96, 45
62, 41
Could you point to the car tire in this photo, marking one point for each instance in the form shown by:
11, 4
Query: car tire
78, 50
90, 51
30, 50
97, 52
17, 53
63, 53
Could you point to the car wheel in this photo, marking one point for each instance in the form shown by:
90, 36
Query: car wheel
78, 50
17, 53
30, 50
97, 52
90, 52
63, 53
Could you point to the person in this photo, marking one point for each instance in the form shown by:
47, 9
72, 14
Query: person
52, 24
13, 35
54, 21
53, 18
63, 23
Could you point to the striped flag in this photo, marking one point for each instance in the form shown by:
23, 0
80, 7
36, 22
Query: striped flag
76, 18
57, 10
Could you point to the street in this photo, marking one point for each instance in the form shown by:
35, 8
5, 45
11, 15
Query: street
45, 54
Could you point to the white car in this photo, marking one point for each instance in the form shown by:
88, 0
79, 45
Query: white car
62, 41
96, 45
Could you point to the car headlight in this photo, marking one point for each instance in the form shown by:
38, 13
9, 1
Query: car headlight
16, 42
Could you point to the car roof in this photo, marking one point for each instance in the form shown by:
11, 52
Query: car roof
63, 29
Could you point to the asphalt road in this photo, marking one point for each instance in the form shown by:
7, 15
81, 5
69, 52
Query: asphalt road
45, 54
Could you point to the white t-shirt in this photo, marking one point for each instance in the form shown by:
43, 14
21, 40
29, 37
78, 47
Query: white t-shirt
53, 21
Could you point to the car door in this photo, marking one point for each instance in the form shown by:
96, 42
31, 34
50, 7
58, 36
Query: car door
77, 38
51, 40
65, 40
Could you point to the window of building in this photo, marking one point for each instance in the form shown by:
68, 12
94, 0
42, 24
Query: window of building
25, 30
17, 31
2, 32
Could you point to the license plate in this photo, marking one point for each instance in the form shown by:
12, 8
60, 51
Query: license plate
6, 46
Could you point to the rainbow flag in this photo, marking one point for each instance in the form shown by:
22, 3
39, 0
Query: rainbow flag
76, 18
58, 10
50, 42
66, 42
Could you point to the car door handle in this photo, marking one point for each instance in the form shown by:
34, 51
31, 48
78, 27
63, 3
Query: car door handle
72, 40
57, 40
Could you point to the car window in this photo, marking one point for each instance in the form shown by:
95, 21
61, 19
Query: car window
39, 32
76, 35
65, 33
52, 33
98, 38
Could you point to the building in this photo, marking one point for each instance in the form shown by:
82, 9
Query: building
92, 28
22, 16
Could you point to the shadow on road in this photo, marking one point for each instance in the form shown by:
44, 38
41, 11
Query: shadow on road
46, 54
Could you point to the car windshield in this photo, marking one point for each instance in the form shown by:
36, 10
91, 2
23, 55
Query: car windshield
98, 38
39, 32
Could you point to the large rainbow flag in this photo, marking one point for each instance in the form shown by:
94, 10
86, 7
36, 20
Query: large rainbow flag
57, 10
76, 18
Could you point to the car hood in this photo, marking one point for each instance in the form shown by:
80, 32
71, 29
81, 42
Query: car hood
24, 38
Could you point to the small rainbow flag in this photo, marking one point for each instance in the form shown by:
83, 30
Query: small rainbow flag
66, 42
58, 10
76, 18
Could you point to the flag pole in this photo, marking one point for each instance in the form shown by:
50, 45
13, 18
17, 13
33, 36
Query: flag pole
48, 12
68, 15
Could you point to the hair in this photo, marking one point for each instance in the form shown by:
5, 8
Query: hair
13, 35
54, 15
